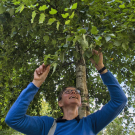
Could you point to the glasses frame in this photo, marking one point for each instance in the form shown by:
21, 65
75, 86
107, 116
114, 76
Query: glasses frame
76, 91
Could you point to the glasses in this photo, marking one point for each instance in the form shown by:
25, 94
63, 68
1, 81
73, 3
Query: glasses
70, 91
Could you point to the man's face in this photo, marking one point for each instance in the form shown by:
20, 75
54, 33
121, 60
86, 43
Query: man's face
70, 97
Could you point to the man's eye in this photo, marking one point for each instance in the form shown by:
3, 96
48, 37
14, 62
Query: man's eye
67, 91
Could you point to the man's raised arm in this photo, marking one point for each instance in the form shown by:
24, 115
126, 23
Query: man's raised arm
113, 108
17, 118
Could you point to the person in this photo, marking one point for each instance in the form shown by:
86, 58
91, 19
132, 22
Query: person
69, 101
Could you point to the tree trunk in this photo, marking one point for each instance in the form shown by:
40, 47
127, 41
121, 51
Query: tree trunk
82, 86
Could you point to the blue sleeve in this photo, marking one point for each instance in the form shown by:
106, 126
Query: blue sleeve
18, 120
113, 108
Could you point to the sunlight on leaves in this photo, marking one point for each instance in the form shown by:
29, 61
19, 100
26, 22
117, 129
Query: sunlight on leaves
74, 6
51, 20
42, 18
53, 11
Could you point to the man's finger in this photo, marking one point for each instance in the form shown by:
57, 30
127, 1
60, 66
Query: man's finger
41, 69
45, 67
47, 70
95, 52
38, 71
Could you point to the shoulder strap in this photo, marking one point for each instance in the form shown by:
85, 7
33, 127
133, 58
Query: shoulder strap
52, 129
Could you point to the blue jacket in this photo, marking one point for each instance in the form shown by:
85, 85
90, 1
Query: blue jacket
90, 125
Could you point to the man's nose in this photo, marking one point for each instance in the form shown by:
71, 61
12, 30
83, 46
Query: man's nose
73, 92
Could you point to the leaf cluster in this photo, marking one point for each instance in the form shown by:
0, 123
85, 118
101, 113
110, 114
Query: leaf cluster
54, 32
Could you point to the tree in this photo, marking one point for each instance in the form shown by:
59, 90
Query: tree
116, 128
132, 133
64, 33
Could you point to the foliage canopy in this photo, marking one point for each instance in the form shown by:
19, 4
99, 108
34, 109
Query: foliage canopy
37, 31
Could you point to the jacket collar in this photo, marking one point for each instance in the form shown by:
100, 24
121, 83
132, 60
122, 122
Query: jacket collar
63, 120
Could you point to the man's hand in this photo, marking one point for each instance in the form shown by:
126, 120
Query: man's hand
40, 75
100, 64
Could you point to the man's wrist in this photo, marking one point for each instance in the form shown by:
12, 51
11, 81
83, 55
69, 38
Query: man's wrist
99, 67
37, 83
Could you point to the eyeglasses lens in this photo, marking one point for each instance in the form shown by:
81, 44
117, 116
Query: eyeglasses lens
69, 91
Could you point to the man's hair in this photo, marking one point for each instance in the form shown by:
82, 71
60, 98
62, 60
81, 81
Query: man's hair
60, 95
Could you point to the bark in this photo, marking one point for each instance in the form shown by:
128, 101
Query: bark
81, 84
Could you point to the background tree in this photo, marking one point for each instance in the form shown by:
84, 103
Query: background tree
115, 127
64, 33
132, 133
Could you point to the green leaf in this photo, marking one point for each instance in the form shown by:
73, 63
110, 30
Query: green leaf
112, 35
16, 2
95, 58
65, 15
62, 56
58, 24
69, 38
98, 38
13, 32
42, 18
11, 11
65, 30
85, 41
132, 20
117, 43
65, 45
51, 20
122, 6
83, 31
72, 15
46, 38
21, 8
47, 59
75, 39
42, 8
94, 30
48, 62
88, 53
17, 9
74, 6
2, 8
66, 9
47, 56
53, 42
98, 42
37, 4
54, 67
0, 127
82, 40
108, 38
2, 120
125, 45
53, 11
67, 22
33, 16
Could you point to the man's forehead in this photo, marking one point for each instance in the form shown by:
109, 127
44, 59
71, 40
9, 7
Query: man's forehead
71, 88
